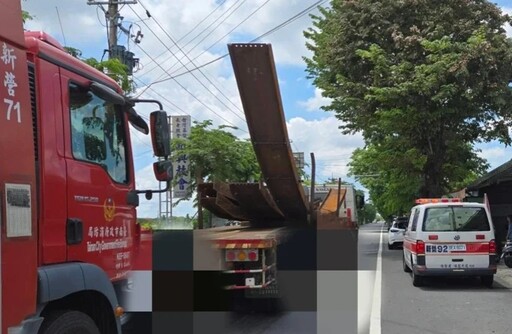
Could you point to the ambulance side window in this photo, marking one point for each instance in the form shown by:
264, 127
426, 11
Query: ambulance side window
415, 219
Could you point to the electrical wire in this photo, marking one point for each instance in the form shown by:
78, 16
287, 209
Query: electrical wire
200, 33
183, 87
183, 37
233, 29
204, 19
197, 79
177, 107
282, 25
98, 16
165, 99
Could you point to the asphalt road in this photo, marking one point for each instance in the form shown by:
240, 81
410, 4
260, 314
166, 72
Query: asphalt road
443, 306
387, 302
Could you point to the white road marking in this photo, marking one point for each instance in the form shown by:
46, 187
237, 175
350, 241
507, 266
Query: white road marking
375, 321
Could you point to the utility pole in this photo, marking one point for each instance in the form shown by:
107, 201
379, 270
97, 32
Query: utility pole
113, 12
112, 15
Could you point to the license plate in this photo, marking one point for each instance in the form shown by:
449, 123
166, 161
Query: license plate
439, 248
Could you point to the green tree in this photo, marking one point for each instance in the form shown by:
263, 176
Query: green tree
26, 16
215, 155
422, 80
367, 213
114, 68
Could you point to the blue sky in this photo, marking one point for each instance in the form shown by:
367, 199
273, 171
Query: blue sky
202, 29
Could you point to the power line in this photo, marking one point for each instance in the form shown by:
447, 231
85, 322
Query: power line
204, 30
200, 82
280, 26
194, 75
234, 28
204, 19
190, 93
166, 99
176, 106
183, 37
61, 29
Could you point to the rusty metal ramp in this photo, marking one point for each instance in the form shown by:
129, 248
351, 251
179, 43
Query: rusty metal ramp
220, 205
256, 202
241, 201
256, 77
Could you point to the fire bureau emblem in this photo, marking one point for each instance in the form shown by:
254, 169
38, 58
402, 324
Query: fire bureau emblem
109, 209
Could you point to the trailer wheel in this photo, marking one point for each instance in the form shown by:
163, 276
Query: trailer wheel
68, 322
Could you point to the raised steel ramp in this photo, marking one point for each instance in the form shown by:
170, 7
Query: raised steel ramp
256, 77
241, 201
220, 205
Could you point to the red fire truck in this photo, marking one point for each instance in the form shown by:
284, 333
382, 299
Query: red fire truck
67, 192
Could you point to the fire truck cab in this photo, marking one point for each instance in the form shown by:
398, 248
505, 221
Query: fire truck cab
68, 201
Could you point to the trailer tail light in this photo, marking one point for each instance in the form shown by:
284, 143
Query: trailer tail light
242, 255
480, 237
433, 237
492, 247
230, 256
420, 247
253, 255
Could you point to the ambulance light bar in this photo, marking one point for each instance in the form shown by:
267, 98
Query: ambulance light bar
437, 200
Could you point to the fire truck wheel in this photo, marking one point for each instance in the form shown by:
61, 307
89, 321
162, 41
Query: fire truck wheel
68, 322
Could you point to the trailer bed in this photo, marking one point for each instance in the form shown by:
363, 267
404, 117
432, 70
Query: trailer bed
245, 237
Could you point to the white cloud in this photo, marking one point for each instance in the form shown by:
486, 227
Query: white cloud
508, 27
79, 22
495, 154
331, 148
314, 103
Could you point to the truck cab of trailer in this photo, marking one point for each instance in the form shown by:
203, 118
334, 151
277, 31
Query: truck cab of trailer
67, 184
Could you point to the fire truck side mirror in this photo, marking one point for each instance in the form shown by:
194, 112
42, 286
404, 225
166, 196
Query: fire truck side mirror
163, 170
160, 135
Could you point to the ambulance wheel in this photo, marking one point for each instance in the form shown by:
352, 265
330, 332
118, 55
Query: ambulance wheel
405, 266
68, 322
416, 280
487, 280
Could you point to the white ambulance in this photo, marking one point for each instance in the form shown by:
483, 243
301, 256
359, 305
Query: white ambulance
447, 237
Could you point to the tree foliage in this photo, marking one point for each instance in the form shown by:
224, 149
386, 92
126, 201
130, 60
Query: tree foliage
115, 69
25, 16
367, 213
422, 80
216, 155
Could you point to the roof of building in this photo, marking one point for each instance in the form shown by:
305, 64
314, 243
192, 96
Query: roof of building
498, 175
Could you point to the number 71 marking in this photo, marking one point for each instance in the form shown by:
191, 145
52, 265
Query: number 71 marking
10, 106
